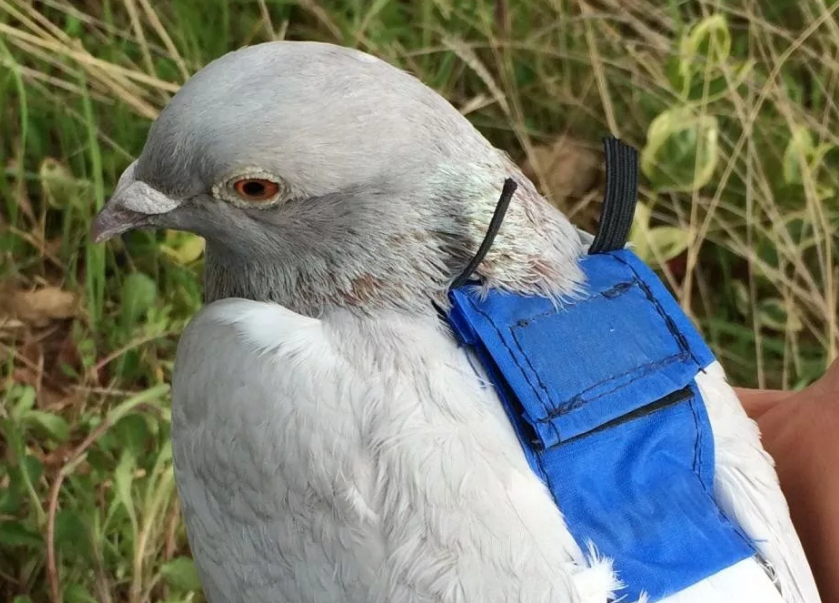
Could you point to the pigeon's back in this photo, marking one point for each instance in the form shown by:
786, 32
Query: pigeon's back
338, 460
625, 415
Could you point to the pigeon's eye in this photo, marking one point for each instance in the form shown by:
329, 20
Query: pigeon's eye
256, 189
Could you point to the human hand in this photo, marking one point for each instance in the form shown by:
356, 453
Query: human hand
799, 430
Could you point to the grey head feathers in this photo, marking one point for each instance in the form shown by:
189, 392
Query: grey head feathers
379, 191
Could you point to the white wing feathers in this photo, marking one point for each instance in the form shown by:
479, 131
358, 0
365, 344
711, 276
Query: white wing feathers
253, 466
357, 462
747, 488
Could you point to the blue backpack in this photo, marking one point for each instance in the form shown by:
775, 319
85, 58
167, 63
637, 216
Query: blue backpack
601, 392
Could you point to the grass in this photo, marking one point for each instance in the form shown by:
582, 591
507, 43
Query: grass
733, 103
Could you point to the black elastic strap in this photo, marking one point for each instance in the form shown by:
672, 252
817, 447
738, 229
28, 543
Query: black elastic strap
510, 187
620, 198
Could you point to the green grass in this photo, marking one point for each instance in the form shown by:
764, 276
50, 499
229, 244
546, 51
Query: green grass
733, 103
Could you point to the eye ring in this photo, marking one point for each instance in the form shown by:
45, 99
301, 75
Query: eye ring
256, 190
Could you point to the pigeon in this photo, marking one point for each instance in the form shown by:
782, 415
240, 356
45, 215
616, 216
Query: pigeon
332, 439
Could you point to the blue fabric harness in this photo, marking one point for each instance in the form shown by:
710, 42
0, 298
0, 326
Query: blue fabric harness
601, 391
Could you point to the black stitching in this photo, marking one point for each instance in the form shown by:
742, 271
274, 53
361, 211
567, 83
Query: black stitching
612, 293
696, 397
668, 321
507, 347
697, 460
665, 402
541, 384
618, 290
577, 400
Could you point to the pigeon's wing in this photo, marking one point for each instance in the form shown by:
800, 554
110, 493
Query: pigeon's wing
266, 463
747, 488
308, 472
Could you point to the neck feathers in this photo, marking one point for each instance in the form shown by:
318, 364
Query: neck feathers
407, 262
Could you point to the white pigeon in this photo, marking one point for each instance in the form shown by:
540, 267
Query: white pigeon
332, 442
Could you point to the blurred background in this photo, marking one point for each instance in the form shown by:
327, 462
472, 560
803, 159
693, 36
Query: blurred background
733, 104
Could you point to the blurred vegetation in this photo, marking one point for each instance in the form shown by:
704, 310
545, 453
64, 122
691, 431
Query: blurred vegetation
734, 105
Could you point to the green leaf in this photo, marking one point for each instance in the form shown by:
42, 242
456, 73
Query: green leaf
676, 74
801, 151
718, 87
99, 460
10, 497
76, 593
183, 247
132, 432
139, 292
15, 534
55, 426
11, 430
148, 396
73, 26
774, 315
639, 233
123, 478
681, 153
180, 573
25, 396
659, 244
71, 535
32, 467
705, 48
668, 242
59, 186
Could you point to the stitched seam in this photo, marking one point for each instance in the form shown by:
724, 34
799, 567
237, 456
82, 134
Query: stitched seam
697, 445
533, 370
577, 401
668, 321
548, 412
620, 422
555, 409
611, 293
508, 403
507, 347
692, 401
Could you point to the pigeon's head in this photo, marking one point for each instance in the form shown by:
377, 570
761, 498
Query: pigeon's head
321, 176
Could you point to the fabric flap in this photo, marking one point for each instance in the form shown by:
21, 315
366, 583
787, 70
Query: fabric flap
579, 364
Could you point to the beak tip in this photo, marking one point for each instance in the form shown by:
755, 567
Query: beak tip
112, 221
102, 228
134, 206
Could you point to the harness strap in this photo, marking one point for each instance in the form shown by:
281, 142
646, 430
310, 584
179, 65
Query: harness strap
620, 197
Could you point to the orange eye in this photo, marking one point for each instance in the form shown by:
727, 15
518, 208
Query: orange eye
256, 189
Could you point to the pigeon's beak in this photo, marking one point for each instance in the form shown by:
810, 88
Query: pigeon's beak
133, 205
